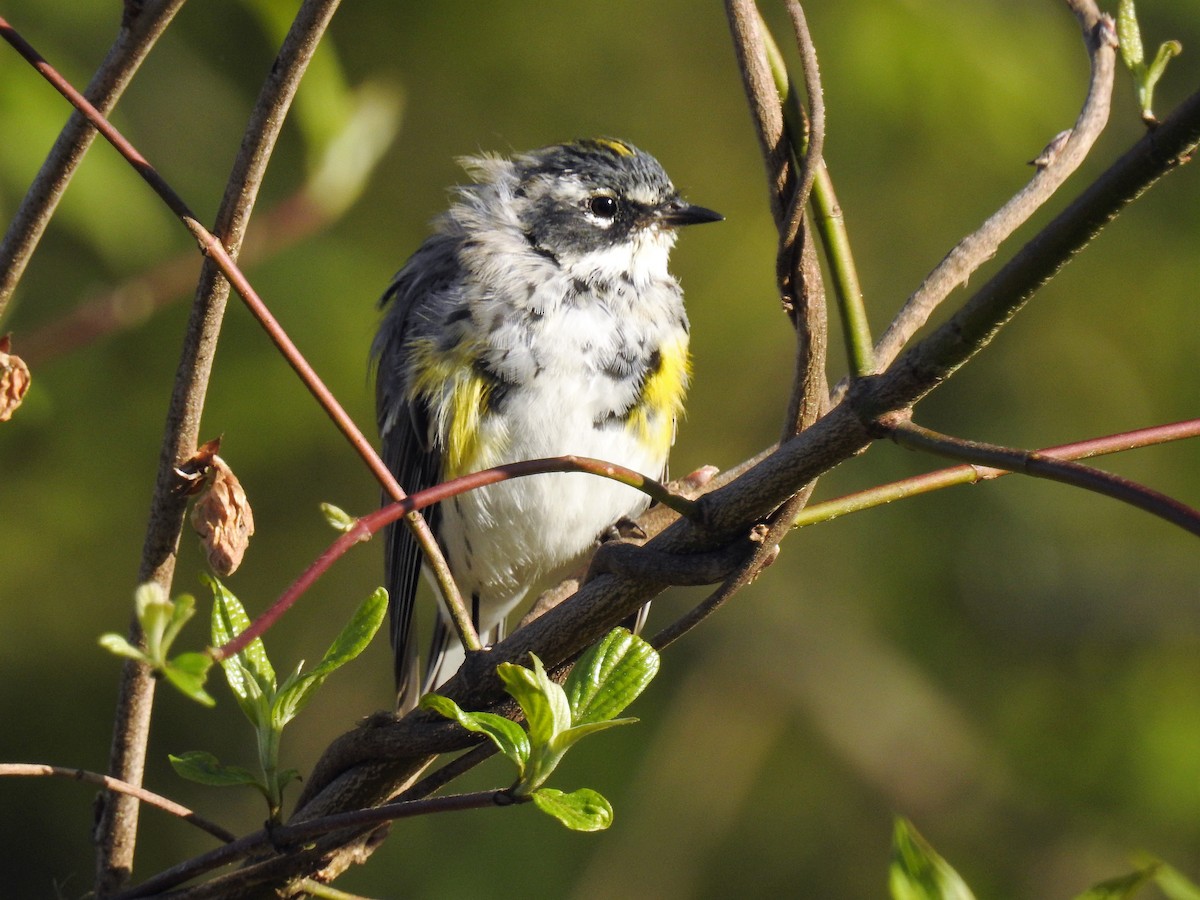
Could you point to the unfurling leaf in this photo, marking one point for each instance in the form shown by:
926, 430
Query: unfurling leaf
1133, 54
14, 379
604, 681
223, 518
918, 873
509, 737
188, 672
119, 646
543, 701
337, 518
1130, 35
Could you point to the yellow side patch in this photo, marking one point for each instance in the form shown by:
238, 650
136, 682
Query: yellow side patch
618, 147
652, 419
457, 397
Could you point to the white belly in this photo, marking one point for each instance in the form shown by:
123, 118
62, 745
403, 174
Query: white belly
507, 538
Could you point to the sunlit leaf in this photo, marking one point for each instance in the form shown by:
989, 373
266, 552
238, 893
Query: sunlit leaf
1175, 884
564, 740
117, 644
188, 672
229, 619
295, 693
581, 810
918, 873
609, 676
1129, 34
543, 701
337, 518
509, 737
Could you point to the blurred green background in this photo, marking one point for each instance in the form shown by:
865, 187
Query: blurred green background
1014, 667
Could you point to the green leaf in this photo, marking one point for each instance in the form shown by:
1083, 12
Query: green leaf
1121, 888
293, 696
116, 644
609, 676
1175, 884
205, 768
295, 693
337, 518
189, 672
182, 610
565, 740
918, 873
1149, 80
509, 737
1130, 36
543, 701
582, 810
251, 699
154, 612
357, 634
229, 619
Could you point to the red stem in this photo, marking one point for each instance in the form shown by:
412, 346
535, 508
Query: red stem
373, 522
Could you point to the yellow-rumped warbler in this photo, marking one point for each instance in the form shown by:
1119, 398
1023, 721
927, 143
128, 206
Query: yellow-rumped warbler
538, 320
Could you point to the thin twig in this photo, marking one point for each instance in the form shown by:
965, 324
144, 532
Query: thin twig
830, 223
282, 835
907, 433
748, 42
797, 267
764, 554
130, 303
40, 770
928, 363
141, 26
972, 251
807, 145
880, 495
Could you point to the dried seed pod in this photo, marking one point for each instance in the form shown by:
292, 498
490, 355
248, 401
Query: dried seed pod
14, 379
223, 518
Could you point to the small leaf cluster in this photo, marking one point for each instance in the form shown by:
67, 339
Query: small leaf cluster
919, 873
1134, 56
266, 703
161, 620
605, 680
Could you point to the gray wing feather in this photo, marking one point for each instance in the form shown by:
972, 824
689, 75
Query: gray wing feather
424, 285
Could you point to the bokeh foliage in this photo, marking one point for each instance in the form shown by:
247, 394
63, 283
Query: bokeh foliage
1014, 667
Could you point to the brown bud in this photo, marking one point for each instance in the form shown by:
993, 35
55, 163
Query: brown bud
223, 519
14, 379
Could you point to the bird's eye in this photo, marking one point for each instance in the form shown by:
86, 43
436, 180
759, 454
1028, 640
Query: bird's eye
603, 206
